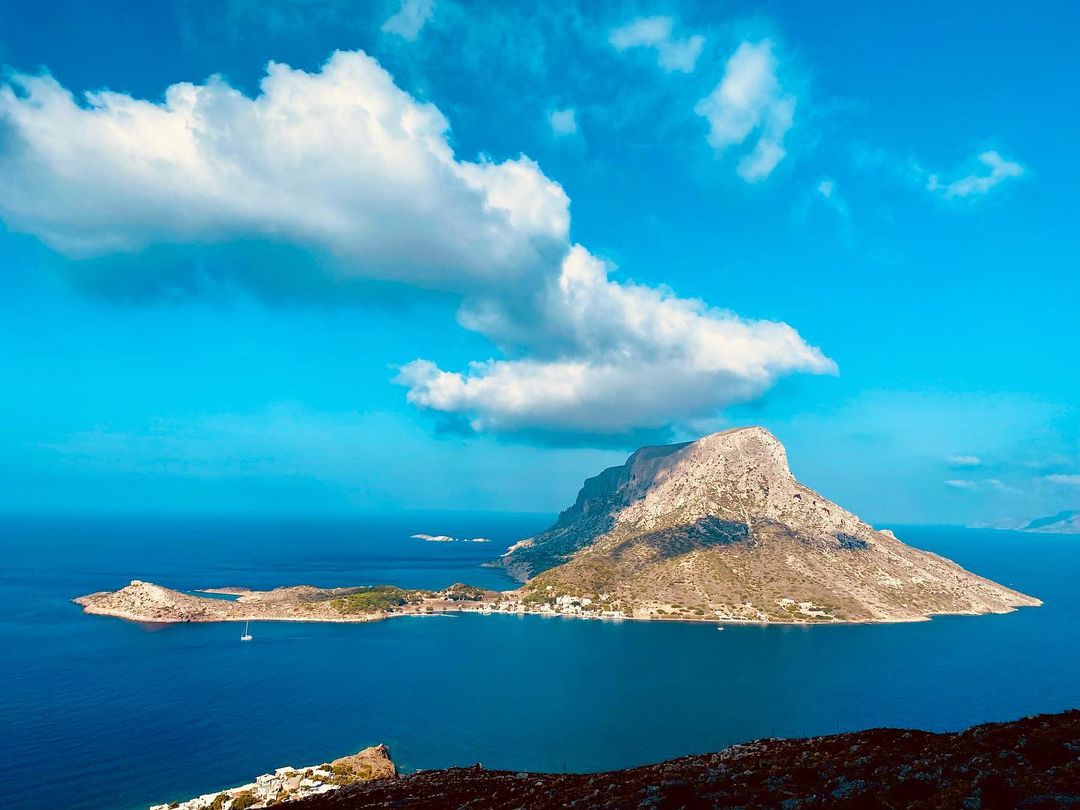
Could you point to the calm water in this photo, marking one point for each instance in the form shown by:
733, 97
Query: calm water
100, 713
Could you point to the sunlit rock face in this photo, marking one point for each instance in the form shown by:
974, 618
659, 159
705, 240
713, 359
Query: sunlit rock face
720, 528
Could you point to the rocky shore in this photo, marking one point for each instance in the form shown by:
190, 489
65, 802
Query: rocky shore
155, 604
1029, 763
289, 783
141, 601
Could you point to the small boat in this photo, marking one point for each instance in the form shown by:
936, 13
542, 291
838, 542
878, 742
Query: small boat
247, 636
721, 627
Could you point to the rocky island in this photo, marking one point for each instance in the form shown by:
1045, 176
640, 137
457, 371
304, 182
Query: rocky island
720, 527
1067, 522
712, 530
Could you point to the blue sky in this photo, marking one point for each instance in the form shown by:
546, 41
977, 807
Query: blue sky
483, 251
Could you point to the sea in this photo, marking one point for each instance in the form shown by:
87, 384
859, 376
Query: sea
99, 713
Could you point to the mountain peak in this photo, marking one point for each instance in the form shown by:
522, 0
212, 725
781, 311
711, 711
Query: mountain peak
751, 445
722, 523
723, 473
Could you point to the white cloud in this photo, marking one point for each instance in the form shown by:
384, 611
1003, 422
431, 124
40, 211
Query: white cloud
563, 122
994, 484
410, 18
831, 197
341, 162
978, 184
964, 461
673, 55
610, 358
1066, 480
344, 164
749, 101
961, 484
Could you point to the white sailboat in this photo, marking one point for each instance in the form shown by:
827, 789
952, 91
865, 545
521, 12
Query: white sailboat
247, 636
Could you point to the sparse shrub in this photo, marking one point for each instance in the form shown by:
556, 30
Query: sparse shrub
459, 592
243, 800
374, 598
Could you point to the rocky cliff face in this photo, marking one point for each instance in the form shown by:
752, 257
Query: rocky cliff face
720, 528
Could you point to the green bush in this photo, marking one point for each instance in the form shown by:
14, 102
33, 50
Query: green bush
374, 599
243, 800
459, 592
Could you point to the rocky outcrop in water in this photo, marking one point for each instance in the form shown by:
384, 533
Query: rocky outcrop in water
719, 528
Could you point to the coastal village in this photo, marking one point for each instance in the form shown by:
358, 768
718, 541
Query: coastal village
562, 605
289, 784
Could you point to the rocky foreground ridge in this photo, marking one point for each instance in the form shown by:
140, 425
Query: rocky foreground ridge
720, 528
288, 783
1029, 763
712, 530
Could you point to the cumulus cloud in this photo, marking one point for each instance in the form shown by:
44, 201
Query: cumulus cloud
611, 358
964, 461
997, 170
410, 18
750, 104
343, 163
563, 122
960, 483
672, 54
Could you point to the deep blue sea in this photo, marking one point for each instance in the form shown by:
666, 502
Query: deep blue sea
100, 713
